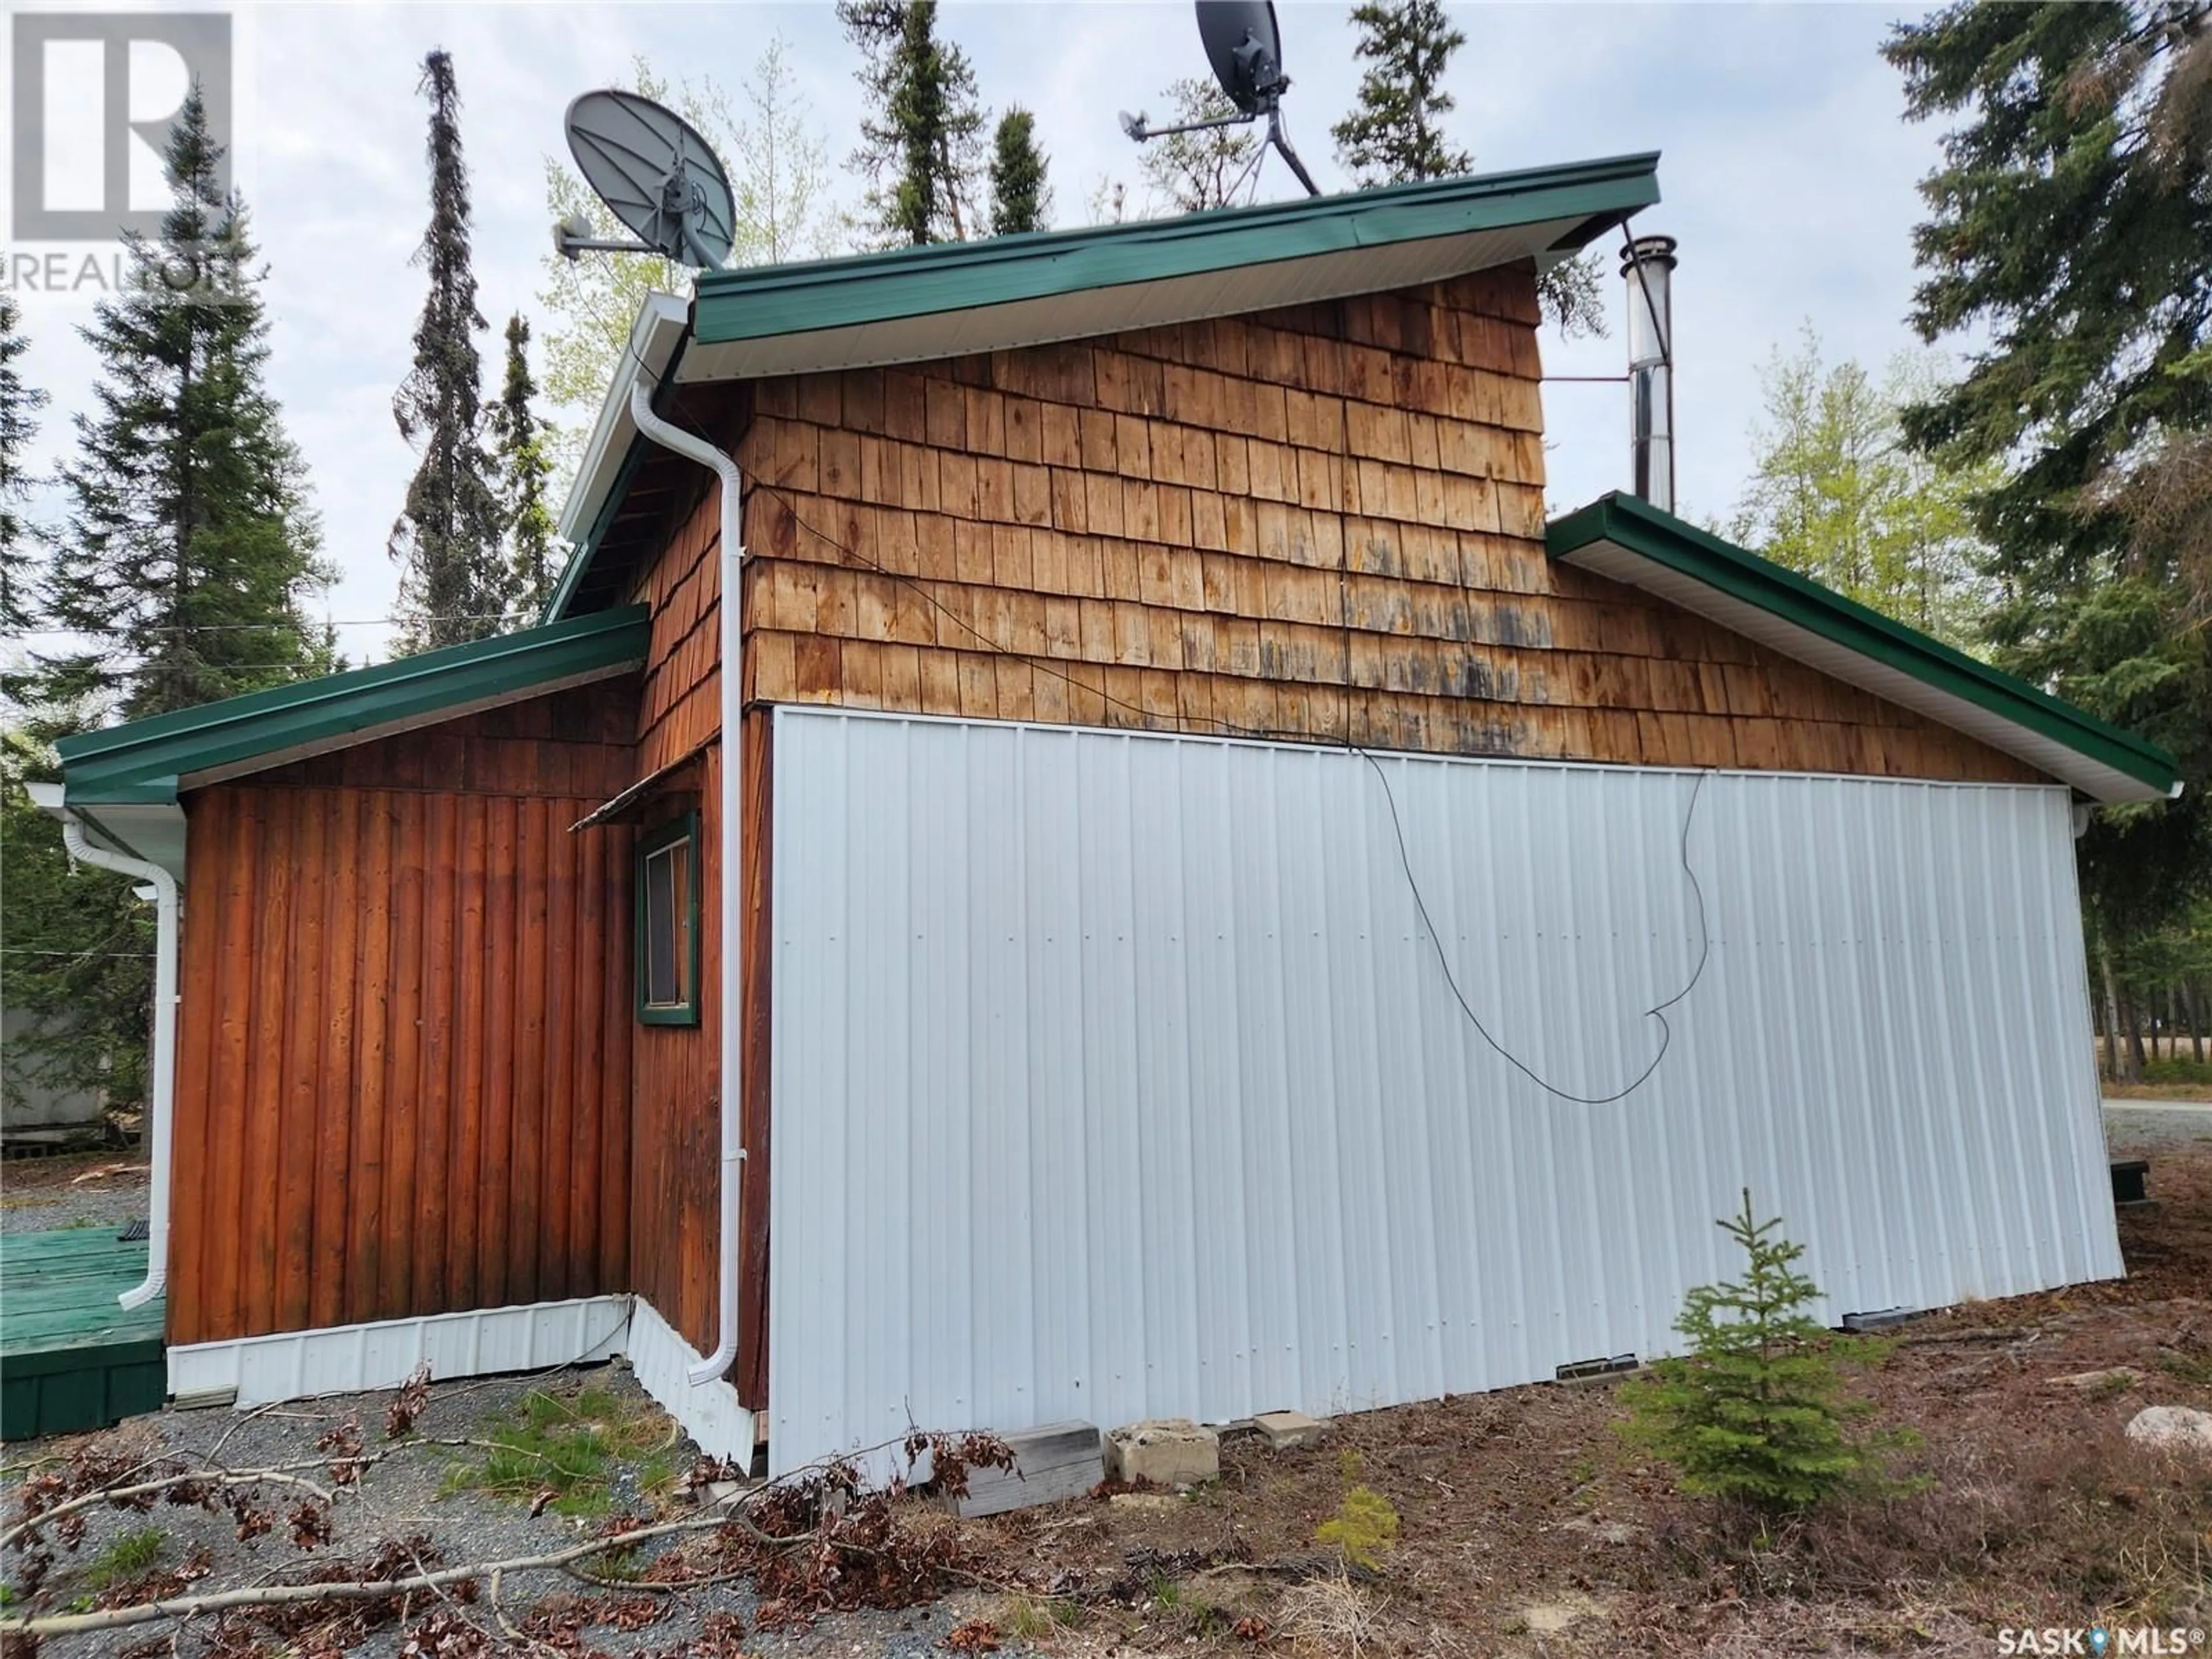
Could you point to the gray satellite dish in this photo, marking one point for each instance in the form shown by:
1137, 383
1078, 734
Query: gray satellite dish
1246, 50
656, 174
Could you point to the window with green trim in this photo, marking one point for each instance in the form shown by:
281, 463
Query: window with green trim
667, 923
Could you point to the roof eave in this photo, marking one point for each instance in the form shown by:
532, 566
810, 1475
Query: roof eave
150, 761
1630, 540
656, 344
765, 302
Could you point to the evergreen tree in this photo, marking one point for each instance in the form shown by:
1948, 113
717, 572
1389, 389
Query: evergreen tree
79, 964
2068, 224
922, 138
1392, 136
523, 470
185, 563
190, 549
1196, 171
19, 409
1021, 199
454, 583
1837, 495
1754, 1413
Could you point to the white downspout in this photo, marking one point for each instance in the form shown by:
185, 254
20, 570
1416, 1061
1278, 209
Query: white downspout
161, 1105
732, 859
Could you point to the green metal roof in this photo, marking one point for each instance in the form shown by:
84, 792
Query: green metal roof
141, 763
1840, 637
760, 301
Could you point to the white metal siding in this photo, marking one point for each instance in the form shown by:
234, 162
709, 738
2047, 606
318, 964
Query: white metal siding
1114, 1076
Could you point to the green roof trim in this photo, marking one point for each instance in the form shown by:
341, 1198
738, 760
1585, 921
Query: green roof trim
1642, 529
761, 301
581, 556
141, 763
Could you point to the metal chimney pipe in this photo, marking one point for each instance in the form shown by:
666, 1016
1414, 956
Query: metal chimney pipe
1647, 266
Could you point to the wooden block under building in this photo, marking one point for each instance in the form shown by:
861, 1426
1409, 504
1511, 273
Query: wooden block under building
1052, 1464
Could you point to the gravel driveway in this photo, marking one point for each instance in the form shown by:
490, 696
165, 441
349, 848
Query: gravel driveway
41, 1194
2136, 1126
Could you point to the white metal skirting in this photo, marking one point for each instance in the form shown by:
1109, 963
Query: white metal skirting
349, 1358
1115, 1076
709, 1413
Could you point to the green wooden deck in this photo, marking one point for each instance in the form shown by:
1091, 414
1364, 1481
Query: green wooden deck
70, 1359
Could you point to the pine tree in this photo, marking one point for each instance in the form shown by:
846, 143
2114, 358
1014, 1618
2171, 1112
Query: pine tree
454, 583
18, 410
190, 549
2067, 228
523, 470
1392, 136
1021, 199
921, 140
1753, 1414
187, 558
78, 967
1196, 171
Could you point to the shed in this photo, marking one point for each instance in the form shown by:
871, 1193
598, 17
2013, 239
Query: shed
1193, 898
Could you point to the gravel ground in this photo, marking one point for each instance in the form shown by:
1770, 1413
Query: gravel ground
40, 1195
2137, 1128
405, 1495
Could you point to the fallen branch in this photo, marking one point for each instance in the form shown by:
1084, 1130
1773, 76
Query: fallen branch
222, 1480
268, 1596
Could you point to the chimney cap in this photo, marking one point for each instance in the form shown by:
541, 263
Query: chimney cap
1648, 250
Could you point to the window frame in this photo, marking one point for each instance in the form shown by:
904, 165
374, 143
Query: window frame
683, 827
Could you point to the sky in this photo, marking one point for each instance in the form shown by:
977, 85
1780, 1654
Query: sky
1787, 173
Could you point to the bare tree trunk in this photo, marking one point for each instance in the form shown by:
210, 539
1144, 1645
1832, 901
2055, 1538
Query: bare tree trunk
2111, 1015
2133, 1020
2196, 995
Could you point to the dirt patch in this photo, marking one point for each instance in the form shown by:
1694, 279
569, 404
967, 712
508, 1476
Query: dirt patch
1524, 1523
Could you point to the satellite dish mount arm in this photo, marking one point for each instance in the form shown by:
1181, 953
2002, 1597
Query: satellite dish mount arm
1282, 143
1140, 129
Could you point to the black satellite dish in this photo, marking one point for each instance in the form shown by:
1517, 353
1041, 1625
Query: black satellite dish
1245, 48
656, 174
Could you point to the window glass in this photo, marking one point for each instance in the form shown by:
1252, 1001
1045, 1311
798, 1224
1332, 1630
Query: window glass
667, 909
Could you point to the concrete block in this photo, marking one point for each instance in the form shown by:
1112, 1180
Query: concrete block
1168, 1451
1287, 1431
1052, 1464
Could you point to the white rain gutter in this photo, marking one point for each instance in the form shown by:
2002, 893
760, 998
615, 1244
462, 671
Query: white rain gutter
161, 1102
731, 855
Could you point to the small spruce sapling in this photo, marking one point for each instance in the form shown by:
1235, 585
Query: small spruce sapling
1365, 1524
1754, 1413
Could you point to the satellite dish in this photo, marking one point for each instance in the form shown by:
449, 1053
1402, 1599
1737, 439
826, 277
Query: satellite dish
1246, 50
656, 174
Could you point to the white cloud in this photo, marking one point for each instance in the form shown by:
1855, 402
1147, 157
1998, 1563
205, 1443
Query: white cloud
1787, 172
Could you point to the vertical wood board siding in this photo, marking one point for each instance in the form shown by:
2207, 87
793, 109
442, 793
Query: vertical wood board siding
404, 1064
